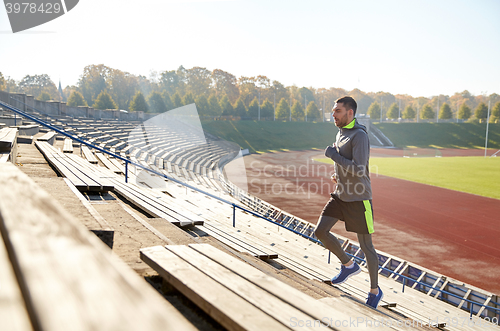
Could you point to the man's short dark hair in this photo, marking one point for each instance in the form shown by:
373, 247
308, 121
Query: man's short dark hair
348, 102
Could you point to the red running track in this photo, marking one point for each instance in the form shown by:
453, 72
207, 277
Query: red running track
452, 233
458, 232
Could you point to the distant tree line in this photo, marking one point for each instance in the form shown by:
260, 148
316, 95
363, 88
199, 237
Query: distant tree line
219, 93
427, 111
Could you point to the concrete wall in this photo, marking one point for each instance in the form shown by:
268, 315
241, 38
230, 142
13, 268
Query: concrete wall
55, 108
11, 121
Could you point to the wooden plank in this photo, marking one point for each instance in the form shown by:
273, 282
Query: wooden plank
13, 314
68, 146
301, 269
438, 279
81, 173
466, 296
240, 243
69, 171
225, 240
142, 202
48, 137
8, 144
47, 150
270, 304
108, 164
226, 307
89, 155
8, 138
485, 304
68, 278
65, 172
292, 296
154, 206
438, 293
117, 164
90, 171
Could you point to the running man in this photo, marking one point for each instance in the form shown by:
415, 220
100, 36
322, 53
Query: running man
351, 201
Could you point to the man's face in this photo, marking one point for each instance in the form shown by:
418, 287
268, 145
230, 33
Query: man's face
341, 115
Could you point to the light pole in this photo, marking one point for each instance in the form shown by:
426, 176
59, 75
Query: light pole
381, 109
323, 106
487, 127
259, 103
418, 109
305, 106
437, 111
399, 116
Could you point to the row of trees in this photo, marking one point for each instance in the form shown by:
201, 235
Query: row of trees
218, 92
426, 112
211, 106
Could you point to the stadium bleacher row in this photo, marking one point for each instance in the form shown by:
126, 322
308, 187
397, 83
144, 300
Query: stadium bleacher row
163, 148
177, 151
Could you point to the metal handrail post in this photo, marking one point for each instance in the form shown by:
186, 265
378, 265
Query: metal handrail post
126, 172
234, 215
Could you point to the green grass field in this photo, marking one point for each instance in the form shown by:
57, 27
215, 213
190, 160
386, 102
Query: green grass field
467, 174
441, 135
476, 175
266, 136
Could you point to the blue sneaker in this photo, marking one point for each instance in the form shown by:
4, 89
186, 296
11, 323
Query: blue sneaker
374, 299
345, 273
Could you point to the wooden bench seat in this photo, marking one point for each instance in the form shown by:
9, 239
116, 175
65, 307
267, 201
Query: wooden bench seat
108, 164
94, 134
237, 295
29, 130
48, 137
238, 241
117, 164
13, 313
7, 138
8, 145
151, 202
68, 146
68, 279
154, 206
89, 155
81, 174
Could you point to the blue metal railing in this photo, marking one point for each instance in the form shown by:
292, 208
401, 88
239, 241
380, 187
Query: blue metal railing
234, 206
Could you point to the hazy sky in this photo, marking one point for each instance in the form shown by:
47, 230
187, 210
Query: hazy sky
421, 48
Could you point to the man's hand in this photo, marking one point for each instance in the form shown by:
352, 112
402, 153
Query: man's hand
330, 151
334, 178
